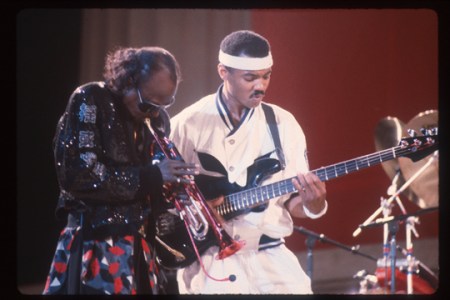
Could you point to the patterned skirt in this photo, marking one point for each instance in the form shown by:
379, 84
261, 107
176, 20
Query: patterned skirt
115, 264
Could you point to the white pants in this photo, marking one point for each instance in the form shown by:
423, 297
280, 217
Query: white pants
271, 271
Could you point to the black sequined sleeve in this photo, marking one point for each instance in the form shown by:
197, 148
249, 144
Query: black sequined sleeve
83, 168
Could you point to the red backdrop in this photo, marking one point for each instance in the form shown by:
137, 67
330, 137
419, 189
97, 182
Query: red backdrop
340, 72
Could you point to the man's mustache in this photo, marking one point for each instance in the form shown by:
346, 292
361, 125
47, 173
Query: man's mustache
256, 93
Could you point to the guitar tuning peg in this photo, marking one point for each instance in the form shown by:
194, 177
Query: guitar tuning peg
412, 133
430, 141
425, 131
403, 143
417, 142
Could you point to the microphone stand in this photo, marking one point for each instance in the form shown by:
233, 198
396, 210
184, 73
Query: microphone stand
310, 241
312, 237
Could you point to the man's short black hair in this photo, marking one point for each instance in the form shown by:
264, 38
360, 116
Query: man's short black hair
245, 43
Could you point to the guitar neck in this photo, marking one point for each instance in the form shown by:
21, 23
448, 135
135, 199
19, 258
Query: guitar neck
353, 165
258, 195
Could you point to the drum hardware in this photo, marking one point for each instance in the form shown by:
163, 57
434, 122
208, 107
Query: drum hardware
401, 264
411, 177
408, 217
423, 271
367, 282
389, 261
390, 250
396, 194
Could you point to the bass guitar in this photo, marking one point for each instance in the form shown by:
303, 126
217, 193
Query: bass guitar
174, 249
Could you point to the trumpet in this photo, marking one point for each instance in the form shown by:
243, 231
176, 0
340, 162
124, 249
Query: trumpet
191, 204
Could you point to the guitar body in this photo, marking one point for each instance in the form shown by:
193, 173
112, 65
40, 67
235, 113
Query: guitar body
173, 246
261, 169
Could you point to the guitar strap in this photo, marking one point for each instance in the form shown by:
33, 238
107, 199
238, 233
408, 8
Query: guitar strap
270, 118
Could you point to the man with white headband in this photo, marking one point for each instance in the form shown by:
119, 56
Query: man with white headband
229, 135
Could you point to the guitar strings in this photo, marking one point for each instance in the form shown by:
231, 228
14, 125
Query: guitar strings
247, 198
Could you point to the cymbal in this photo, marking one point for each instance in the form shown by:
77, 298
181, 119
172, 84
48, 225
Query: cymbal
426, 185
388, 133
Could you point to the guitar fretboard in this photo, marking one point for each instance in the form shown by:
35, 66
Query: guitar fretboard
256, 196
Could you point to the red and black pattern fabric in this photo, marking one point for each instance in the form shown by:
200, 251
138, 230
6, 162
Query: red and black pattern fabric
58, 269
108, 266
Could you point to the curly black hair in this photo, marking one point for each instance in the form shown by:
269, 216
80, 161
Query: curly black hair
245, 42
126, 67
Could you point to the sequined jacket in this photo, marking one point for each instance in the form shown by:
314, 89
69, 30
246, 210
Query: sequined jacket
100, 168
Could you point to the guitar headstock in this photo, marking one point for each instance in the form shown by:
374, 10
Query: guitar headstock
417, 147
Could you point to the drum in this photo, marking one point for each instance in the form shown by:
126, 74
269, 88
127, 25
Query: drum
424, 282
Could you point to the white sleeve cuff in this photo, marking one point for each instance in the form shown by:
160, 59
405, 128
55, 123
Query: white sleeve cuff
316, 216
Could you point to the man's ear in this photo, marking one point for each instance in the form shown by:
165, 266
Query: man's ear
222, 71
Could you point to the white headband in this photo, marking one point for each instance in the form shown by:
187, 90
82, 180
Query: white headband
246, 63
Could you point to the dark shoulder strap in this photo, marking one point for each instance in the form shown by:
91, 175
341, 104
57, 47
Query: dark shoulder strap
270, 117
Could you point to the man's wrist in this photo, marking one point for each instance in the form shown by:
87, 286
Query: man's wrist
318, 215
